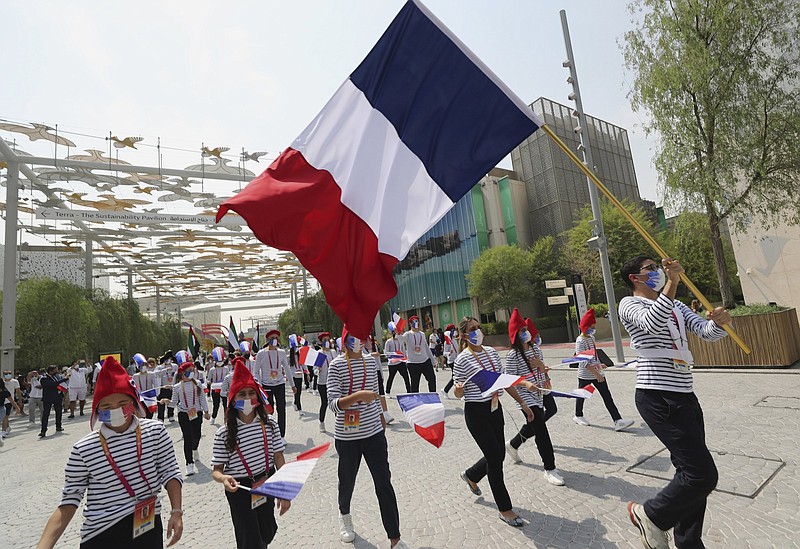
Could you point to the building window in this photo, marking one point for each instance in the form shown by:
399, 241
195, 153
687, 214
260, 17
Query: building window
488, 317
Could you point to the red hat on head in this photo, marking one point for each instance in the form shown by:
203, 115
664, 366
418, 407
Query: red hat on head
515, 324
276, 333
242, 378
238, 361
450, 327
531, 327
587, 320
185, 366
323, 334
113, 379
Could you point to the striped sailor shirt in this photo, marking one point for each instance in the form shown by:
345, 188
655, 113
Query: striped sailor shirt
467, 363
250, 439
343, 381
585, 371
516, 365
188, 395
89, 472
648, 323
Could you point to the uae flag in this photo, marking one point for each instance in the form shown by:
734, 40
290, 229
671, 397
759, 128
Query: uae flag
418, 123
193, 344
233, 338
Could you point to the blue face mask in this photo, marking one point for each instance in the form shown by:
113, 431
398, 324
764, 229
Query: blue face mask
525, 336
537, 340
590, 331
656, 280
415, 324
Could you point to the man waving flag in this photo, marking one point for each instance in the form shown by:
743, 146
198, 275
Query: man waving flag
413, 128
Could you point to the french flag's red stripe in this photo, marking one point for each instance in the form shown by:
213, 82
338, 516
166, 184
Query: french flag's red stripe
433, 434
293, 206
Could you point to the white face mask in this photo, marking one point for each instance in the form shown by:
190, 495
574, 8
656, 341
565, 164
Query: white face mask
116, 417
537, 340
415, 324
7, 376
476, 337
354, 344
525, 336
246, 406
656, 279
273, 342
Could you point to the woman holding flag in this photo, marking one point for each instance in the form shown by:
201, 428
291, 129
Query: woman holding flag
120, 467
483, 415
189, 399
450, 352
298, 371
146, 381
394, 349
216, 375
247, 450
526, 360
353, 391
272, 370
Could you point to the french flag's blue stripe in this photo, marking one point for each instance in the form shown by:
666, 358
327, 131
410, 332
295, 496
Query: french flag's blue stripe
280, 489
484, 379
410, 401
458, 126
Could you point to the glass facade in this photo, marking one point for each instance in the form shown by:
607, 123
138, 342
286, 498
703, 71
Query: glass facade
434, 270
556, 188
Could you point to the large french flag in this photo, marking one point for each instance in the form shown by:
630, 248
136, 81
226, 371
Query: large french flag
412, 129
311, 357
425, 412
489, 382
287, 481
399, 322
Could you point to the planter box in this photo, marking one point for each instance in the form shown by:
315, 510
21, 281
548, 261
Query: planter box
773, 338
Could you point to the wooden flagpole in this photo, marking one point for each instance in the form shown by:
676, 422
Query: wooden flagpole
641, 230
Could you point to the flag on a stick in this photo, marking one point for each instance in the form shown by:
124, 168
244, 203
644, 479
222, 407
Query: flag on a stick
425, 412
585, 392
311, 357
418, 123
399, 322
287, 481
489, 382
233, 338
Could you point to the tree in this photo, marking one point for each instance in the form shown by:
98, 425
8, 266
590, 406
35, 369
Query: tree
545, 264
691, 244
720, 81
624, 242
501, 278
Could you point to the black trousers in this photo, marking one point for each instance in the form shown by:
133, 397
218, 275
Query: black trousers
677, 420
120, 536
538, 429
381, 390
165, 393
254, 528
451, 382
277, 399
216, 399
486, 427
394, 369
191, 433
419, 370
605, 392
46, 406
323, 397
550, 407
311, 379
375, 452
298, 383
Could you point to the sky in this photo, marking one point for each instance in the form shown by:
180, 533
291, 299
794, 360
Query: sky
253, 73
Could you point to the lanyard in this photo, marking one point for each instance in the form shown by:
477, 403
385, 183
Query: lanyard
269, 357
185, 398
678, 329
481, 362
146, 384
414, 335
266, 452
116, 468
350, 371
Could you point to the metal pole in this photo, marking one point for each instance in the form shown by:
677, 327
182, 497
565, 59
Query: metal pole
597, 230
87, 267
158, 306
10, 269
130, 285
305, 284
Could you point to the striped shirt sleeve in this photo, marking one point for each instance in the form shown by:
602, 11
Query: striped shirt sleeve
76, 479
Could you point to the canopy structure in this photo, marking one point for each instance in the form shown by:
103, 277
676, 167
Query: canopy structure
113, 201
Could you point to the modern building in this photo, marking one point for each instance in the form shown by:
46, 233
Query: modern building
557, 190
53, 262
431, 280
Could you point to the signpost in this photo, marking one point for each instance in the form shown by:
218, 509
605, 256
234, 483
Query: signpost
558, 300
555, 284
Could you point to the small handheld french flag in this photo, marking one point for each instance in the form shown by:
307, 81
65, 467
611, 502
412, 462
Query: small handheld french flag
295, 341
287, 482
149, 399
425, 412
490, 382
311, 357
585, 392
399, 322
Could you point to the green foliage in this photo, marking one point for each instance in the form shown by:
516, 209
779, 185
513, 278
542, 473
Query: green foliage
718, 81
756, 309
495, 328
501, 278
624, 242
546, 322
545, 264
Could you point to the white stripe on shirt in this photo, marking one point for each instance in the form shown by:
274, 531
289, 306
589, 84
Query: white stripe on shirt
517, 366
339, 386
586, 343
467, 363
251, 442
185, 397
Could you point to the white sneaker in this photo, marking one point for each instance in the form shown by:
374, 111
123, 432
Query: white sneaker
399, 545
513, 453
300, 413
213, 421
445, 394
580, 420
295, 407
554, 477
388, 418
283, 439
165, 422
172, 420
189, 469
321, 426
346, 533
622, 424
652, 536
196, 455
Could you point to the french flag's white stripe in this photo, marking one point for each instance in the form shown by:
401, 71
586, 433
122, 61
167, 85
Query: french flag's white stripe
425, 412
287, 481
382, 181
491, 382
311, 357
424, 415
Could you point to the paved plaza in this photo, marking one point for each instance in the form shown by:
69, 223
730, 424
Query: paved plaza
752, 422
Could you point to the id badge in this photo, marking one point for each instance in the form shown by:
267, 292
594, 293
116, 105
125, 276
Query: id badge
352, 420
273, 375
192, 413
495, 401
680, 365
144, 516
417, 349
257, 500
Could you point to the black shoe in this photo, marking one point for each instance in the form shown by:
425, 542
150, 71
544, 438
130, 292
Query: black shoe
59, 429
71, 416
81, 413
42, 434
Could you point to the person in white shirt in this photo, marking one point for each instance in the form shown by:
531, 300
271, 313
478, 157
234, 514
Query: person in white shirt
450, 350
12, 386
393, 347
433, 341
216, 376
420, 357
35, 407
272, 371
658, 325
166, 379
322, 375
77, 386
146, 378
192, 406
121, 468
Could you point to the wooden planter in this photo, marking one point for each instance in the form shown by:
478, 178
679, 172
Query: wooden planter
774, 339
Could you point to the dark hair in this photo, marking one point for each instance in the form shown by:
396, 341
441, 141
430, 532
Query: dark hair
462, 329
519, 346
292, 360
231, 417
632, 267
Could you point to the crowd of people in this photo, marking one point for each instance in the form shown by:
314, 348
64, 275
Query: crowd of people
119, 468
